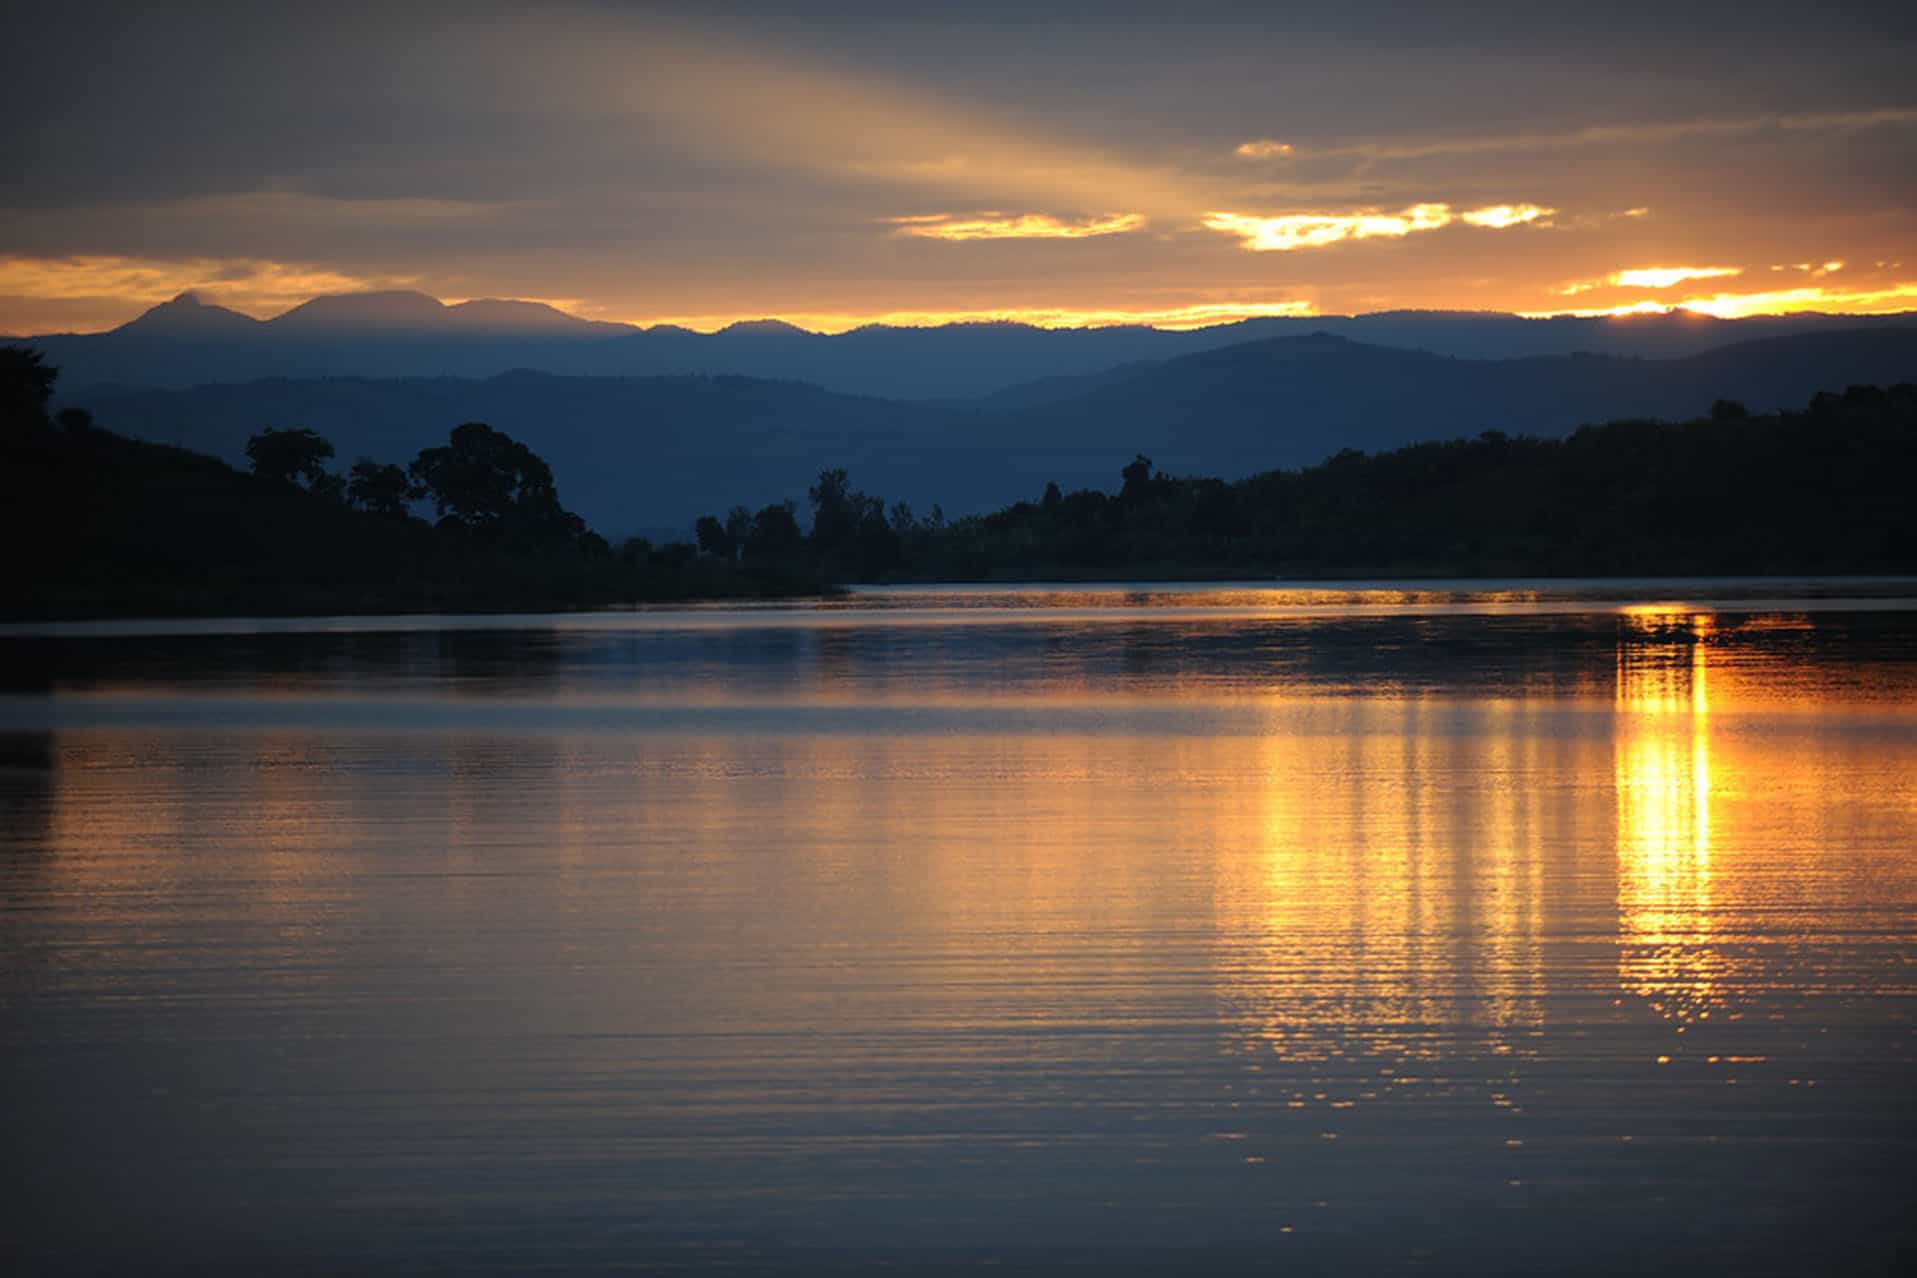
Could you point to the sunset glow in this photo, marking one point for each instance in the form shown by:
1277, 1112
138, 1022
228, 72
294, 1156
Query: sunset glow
664, 635
1893, 300
685, 164
1173, 318
248, 285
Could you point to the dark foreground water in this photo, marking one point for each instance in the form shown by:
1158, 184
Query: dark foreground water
1473, 929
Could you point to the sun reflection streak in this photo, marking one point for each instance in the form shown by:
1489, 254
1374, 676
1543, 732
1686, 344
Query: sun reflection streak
1669, 949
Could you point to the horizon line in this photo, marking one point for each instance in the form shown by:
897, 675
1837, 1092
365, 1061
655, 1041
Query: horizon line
1191, 318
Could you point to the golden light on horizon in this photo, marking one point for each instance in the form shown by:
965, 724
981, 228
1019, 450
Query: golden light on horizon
1893, 300
1898, 297
1170, 318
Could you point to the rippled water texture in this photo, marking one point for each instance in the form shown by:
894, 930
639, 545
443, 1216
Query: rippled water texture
1454, 928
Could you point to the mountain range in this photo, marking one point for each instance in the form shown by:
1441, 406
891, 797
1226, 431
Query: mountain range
186, 342
655, 451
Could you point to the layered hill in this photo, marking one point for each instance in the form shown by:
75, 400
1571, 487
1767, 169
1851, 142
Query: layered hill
658, 451
186, 342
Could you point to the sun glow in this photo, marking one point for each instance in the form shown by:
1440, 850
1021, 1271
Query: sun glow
1172, 318
1666, 276
1895, 299
1883, 301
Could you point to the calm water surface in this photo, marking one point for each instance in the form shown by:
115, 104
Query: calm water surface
1463, 927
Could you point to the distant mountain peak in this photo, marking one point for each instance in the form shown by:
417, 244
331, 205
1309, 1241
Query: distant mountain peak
404, 313
515, 315
765, 326
187, 312
383, 308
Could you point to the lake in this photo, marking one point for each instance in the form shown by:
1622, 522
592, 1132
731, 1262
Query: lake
1435, 927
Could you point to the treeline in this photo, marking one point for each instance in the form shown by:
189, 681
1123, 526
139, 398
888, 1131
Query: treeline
98, 524
1825, 490
1816, 491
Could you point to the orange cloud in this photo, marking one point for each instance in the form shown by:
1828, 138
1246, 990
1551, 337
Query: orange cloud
245, 284
1263, 149
1023, 226
1316, 230
1293, 231
1653, 277
1665, 276
1499, 216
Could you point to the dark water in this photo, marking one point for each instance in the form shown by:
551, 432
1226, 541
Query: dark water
1465, 928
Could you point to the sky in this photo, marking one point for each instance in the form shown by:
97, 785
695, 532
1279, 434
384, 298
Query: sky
834, 165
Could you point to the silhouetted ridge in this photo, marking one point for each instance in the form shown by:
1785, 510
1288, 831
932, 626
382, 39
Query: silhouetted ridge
765, 328
407, 334
150, 528
675, 447
375, 311
188, 315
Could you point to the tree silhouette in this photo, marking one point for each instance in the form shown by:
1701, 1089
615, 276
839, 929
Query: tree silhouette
1138, 479
713, 537
738, 526
290, 456
486, 479
379, 487
25, 385
775, 534
834, 517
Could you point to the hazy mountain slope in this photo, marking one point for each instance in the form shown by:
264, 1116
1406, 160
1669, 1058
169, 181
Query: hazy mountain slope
186, 342
1293, 401
631, 452
627, 452
398, 334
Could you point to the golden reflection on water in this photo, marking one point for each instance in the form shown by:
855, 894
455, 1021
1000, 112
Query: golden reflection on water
1381, 877
1392, 891
1667, 919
